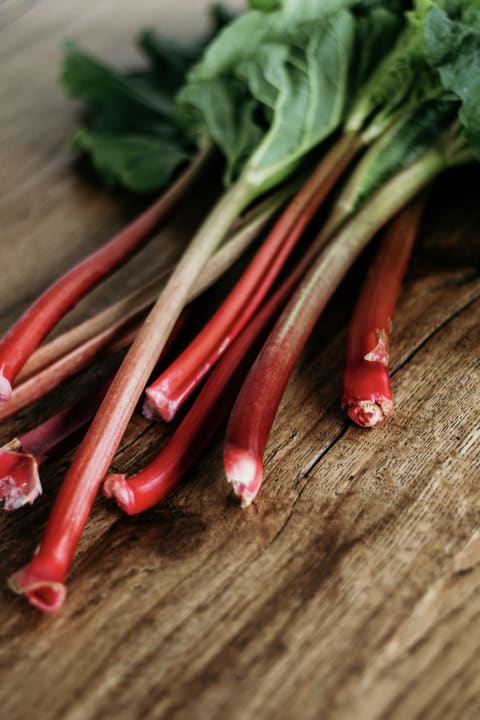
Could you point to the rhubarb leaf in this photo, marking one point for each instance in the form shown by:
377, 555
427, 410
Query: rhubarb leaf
140, 162
311, 91
115, 102
399, 83
293, 80
403, 144
292, 66
452, 38
133, 135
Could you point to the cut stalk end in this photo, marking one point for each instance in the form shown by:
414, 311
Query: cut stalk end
5, 389
19, 478
244, 472
370, 413
46, 595
158, 406
116, 487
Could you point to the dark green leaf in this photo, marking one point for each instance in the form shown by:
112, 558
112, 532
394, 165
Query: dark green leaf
115, 102
139, 162
452, 39
402, 145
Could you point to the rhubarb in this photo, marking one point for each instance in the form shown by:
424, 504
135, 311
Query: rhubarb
166, 395
154, 482
275, 153
20, 459
257, 404
367, 393
34, 325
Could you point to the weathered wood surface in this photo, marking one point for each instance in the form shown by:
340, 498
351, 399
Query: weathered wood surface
352, 588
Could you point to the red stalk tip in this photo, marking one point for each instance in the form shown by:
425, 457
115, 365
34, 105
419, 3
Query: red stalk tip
116, 487
157, 406
46, 595
244, 472
369, 413
5, 389
19, 479
367, 392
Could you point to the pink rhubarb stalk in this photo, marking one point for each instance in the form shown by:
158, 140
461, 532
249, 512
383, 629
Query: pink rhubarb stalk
37, 386
20, 459
367, 392
40, 318
108, 323
176, 383
196, 431
257, 404
42, 580
116, 327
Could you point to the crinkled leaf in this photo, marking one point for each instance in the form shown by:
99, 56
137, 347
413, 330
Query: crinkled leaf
296, 65
229, 114
405, 142
140, 162
296, 76
401, 81
452, 38
311, 89
115, 102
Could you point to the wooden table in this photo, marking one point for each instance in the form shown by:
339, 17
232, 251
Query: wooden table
351, 589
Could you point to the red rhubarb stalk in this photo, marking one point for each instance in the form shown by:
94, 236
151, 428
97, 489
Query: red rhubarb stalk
175, 385
37, 386
197, 430
40, 318
42, 580
20, 459
257, 404
367, 392
115, 328
109, 322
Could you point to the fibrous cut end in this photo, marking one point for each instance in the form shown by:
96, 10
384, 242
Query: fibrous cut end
370, 413
244, 472
19, 478
46, 595
158, 407
5, 389
116, 487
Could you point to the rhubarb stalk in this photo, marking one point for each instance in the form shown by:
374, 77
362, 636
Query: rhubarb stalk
257, 404
115, 328
198, 428
42, 580
109, 322
40, 318
367, 392
176, 383
20, 458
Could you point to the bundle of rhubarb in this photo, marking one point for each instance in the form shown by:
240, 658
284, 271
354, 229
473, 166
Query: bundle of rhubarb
331, 116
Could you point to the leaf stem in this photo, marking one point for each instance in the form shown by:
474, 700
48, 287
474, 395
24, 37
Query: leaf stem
42, 579
166, 395
367, 392
155, 481
256, 406
40, 318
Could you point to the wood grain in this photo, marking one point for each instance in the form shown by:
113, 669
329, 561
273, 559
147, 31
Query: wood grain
352, 588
